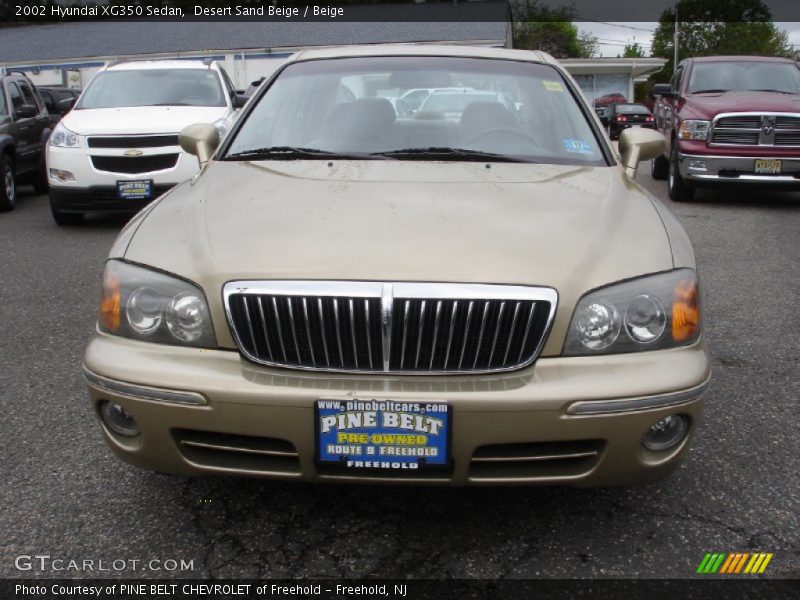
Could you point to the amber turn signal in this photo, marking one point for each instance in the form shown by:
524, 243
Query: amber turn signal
685, 310
110, 310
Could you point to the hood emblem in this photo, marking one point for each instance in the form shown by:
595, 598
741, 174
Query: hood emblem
133, 153
768, 124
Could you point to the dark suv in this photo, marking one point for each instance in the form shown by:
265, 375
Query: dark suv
24, 129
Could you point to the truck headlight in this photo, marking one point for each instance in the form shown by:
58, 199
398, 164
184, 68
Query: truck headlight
691, 129
64, 138
151, 306
647, 313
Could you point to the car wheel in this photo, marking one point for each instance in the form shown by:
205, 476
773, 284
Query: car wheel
64, 218
659, 168
39, 179
679, 189
8, 184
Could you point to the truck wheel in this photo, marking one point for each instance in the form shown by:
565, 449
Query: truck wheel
39, 179
8, 183
64, 218
679, 189
659, 167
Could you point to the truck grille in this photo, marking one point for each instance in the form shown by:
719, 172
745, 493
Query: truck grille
135, 164
756, 130
132, 141
389, 327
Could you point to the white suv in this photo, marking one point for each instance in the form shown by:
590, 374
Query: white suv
118, 148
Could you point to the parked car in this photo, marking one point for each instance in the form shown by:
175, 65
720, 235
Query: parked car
58, 100
729, 120
24, 128
335, 299
452, 103
619, 117
605, 100
415, 97
401, 108
118, 148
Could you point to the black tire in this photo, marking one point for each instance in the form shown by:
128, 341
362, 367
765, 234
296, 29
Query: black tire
659, 168
8, 183
64, 218
39, 179
679, 189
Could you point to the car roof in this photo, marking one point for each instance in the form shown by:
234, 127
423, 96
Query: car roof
423, 50
158, 64
707, 59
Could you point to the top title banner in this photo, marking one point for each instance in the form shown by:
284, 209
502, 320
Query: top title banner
50, 11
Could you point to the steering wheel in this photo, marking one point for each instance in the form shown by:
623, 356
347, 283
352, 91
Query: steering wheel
505, 130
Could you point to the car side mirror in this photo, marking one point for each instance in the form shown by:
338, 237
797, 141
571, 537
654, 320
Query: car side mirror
239, 100
65, 105
200, 139
664, 90
26, 111
636, 145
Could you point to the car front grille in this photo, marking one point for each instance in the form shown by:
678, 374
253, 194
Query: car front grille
135, 164
417, 328
132, 141
756, 130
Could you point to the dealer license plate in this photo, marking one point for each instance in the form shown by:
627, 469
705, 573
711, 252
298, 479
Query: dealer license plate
384, 435
768, 167
135, 190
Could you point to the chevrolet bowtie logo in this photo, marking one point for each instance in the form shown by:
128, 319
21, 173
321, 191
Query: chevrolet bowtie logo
133, 153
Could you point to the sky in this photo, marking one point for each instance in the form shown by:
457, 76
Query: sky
612, 37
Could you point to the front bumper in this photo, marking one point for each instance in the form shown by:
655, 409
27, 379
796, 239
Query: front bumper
210, 411
715, 169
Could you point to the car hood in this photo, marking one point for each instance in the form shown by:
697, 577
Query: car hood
139, 119
567, 227
707, 106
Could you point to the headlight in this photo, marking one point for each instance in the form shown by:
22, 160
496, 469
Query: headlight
694, 130
222, 125
147, 305
64, 138
648, 313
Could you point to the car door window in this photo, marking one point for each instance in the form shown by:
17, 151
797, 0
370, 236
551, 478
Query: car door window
27, 94
15, 95
3, 105
49, 101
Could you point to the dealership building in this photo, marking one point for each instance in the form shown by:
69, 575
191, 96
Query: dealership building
70, 53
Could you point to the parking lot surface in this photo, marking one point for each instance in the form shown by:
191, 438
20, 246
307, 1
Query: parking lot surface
65, 495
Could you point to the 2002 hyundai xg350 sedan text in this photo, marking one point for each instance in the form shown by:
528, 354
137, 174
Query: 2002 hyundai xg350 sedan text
343, 294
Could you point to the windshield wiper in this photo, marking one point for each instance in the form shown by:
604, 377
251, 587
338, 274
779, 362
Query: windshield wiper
775, 91
295, 153
711, 91
445, 153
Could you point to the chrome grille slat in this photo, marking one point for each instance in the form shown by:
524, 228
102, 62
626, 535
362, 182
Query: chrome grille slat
422, 329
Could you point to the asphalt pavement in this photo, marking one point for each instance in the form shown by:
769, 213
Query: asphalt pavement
65, 495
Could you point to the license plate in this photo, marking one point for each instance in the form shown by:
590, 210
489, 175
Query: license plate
768, 167
382, 435
135, 190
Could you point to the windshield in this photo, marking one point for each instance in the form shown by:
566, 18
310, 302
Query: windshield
153, 87
634, 109
745, 76
501, 109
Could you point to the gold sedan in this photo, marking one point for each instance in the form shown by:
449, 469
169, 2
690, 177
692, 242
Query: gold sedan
471, 293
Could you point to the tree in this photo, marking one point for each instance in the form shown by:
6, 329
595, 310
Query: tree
718, 27
551, 30
633, 50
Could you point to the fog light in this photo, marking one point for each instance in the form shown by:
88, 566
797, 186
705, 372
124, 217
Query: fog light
666, 433
118, 420
697, 165
62, 176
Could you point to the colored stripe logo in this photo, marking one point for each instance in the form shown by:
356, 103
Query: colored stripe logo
734, 563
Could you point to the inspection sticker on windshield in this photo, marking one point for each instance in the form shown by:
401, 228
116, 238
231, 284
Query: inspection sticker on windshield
552, 86
577, 146
382, 434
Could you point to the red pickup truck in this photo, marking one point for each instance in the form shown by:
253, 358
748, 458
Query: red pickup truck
729, 119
